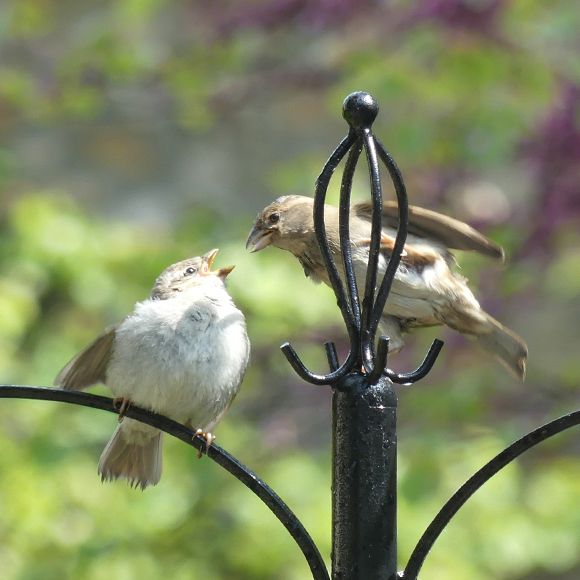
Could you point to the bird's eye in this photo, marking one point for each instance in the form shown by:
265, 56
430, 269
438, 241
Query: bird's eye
190, 271
274, 218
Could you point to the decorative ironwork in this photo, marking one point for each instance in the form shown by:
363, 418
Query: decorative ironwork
360, 111
364, 375
364, 401
215, 452
500, 461
364, 526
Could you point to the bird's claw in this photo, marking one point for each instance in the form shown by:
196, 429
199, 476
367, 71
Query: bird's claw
209, 439
125, 404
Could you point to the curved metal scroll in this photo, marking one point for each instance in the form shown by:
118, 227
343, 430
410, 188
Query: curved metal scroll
435, 528
216, 453
362, 321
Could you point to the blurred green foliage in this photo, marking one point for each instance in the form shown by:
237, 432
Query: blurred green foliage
462, 86
65, 277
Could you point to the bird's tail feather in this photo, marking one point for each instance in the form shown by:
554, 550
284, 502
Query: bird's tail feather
135, 457
507, 346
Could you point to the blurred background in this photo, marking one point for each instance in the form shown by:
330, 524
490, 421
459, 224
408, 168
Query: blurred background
136, 133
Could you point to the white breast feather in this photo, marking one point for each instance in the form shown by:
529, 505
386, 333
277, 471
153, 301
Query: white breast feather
168, 358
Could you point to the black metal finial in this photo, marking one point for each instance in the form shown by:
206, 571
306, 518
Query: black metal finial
360, 110
361, 317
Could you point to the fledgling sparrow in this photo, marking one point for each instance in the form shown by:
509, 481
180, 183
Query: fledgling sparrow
182, 353
425, 291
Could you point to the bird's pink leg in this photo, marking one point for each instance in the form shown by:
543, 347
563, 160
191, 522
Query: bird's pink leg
125, 404
209, 439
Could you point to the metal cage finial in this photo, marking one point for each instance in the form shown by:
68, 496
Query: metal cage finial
360, 110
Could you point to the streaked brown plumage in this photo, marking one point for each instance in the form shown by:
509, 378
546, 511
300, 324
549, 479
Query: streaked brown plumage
425, 291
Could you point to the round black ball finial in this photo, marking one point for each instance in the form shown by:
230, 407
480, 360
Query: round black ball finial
360, 110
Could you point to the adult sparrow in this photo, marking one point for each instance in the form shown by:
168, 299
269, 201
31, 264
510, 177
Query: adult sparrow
182, 353
425, 291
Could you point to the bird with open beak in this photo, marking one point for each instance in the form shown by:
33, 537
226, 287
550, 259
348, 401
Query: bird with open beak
182, 353
425, 290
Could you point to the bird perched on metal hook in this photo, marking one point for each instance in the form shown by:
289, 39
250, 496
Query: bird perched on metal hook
182, 353
425, 290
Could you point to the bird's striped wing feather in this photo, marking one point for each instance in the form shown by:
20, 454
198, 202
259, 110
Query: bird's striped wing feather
89, 367
425, 223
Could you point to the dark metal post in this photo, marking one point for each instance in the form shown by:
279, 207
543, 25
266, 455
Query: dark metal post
364, 421
364, 492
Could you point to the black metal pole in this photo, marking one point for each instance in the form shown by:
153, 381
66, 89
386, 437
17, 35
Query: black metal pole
220, 456
364, 492
364, 419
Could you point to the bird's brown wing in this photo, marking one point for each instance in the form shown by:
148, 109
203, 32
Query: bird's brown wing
89, 367
425, 223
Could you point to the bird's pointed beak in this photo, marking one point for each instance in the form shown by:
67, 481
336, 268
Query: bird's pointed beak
258, 238
223, 272
207, 260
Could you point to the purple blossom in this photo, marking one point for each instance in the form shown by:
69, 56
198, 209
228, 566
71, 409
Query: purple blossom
478, 16
308, 13
554, 153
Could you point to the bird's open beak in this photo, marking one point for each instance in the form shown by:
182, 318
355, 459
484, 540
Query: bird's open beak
207, 260
259, 239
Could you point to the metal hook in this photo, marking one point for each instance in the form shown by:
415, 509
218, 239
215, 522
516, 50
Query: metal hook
424, 368
332, 355
381, 369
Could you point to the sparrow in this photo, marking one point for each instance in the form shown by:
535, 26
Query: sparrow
182, 353
425, 291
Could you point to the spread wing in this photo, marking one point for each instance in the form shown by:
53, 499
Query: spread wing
89, 367
425, 223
